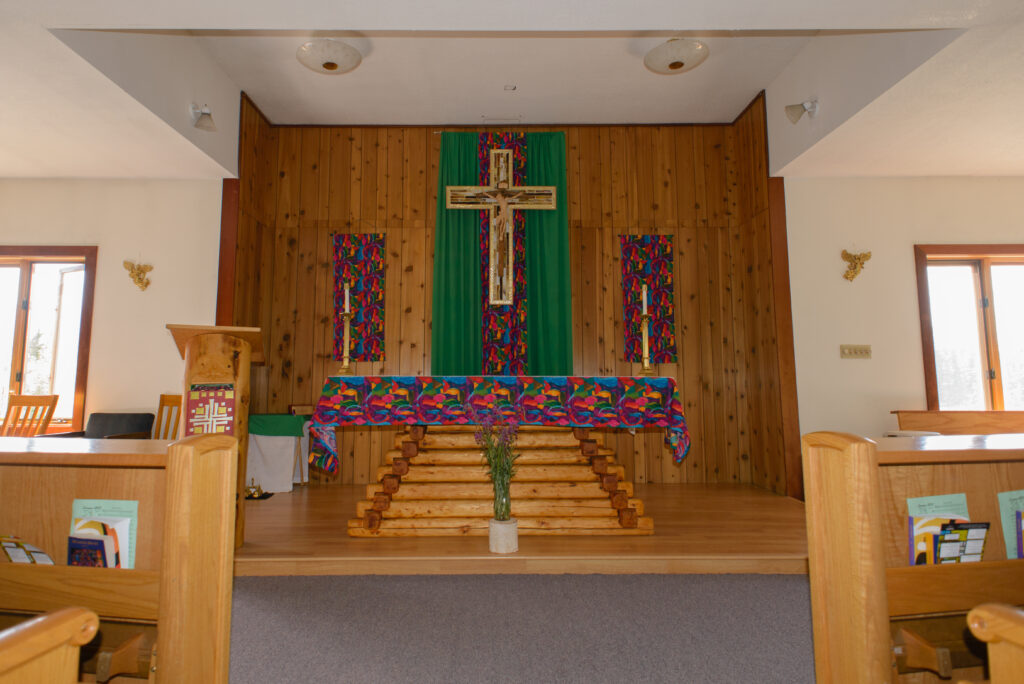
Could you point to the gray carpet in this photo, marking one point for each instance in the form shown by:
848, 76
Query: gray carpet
522, 628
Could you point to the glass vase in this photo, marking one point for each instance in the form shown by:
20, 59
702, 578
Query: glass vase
502, 504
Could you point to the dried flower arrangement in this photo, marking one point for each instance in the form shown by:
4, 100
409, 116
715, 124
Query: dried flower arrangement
497, 441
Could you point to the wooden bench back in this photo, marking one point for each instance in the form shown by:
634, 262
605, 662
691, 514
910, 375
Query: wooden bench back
962, 422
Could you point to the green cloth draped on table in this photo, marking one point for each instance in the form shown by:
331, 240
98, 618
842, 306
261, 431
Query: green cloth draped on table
276, 424
456, 342
523, 400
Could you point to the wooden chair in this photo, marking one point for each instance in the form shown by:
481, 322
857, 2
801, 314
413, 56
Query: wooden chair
167, 417
27, 415
1002, 626
45, 649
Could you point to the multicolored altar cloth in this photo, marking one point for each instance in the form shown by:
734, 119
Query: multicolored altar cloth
597, 402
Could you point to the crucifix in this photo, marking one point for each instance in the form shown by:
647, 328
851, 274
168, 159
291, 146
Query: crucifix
501, 198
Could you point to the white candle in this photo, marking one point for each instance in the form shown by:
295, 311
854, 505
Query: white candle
644, 296
347, 310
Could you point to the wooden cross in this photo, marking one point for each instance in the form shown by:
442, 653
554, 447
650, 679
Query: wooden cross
501, 198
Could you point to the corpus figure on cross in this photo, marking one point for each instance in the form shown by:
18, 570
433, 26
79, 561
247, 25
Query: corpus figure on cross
501, 198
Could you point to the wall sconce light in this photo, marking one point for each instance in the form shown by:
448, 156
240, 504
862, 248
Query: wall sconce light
201, 117
795, 111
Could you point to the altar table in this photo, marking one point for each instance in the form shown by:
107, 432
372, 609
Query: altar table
584, 402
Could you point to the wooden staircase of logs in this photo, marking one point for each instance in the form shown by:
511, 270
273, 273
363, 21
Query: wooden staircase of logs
435, 484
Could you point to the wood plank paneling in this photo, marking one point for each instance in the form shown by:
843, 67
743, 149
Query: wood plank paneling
705, 185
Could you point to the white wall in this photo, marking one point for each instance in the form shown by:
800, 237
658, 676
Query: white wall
167, 73
844, 73
173, 225
968, 96
886, 216
61, 117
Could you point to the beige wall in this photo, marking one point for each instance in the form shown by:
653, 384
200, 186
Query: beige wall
886, 216
173, 225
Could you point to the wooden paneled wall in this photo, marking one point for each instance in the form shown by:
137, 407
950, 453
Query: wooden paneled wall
706, 185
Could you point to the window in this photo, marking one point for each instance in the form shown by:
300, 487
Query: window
971, 301
46, 296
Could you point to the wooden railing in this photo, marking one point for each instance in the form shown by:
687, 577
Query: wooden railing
962, 422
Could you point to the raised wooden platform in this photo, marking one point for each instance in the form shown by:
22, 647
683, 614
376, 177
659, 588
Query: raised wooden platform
700, 529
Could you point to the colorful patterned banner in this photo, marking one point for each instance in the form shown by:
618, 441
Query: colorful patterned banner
647, 259
359, 261
525, 400
504, 327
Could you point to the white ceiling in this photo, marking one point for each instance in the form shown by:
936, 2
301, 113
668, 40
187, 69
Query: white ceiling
455, 79
447, 62
523, 15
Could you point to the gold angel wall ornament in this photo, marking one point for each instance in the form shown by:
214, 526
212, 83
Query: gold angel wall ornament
137, 272
855, 264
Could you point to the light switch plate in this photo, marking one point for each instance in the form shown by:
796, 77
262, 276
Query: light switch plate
855, 351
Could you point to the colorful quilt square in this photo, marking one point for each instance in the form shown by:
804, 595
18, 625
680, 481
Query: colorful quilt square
210, 409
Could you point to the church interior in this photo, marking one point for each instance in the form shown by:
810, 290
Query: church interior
278, 282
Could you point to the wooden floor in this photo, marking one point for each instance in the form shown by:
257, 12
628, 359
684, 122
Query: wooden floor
697, 529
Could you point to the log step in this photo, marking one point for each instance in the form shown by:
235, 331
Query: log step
473, 456
438, 527
485, 508
466, 440
478, 473
482, 490
472, 428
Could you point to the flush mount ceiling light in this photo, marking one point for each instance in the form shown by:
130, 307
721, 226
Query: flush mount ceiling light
328, 56
676, 56
201, 117
795, 111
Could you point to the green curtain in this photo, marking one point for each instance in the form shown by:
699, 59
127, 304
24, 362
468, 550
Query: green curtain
456, 340
548, 285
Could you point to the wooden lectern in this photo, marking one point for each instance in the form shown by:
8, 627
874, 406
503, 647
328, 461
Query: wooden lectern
215, 396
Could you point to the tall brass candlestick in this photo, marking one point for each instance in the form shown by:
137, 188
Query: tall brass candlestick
645, 320
346, 366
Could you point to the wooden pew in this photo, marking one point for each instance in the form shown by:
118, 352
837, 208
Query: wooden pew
181, 584
864, 594
45, 649
962, 422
